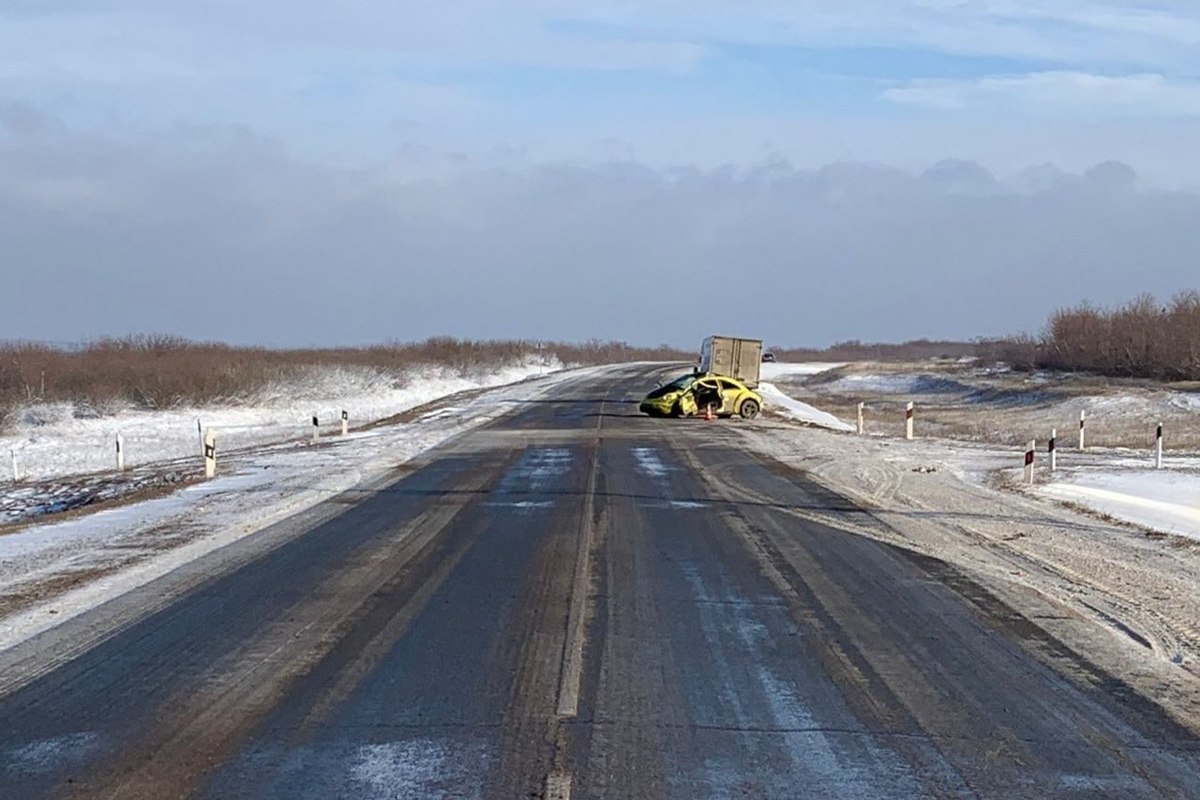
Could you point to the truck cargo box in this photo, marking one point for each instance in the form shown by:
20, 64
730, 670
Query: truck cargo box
729, 355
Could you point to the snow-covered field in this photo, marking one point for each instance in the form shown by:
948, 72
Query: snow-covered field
986, 415
1165, 500
66, 456
58, 439
778, 402
774, 371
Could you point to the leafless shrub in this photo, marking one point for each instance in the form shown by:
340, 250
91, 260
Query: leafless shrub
597, 352
1023, 353
1141, 339
855, 350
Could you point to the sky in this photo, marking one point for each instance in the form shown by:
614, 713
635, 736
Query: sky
312, 173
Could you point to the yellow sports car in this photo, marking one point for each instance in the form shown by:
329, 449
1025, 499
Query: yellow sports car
691, 394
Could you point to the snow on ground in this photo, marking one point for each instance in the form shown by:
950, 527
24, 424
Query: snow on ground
801, 412
56, 439
773, 371
1162, 500
67, 455
1126, 600
102, 555
898, 383
778, 401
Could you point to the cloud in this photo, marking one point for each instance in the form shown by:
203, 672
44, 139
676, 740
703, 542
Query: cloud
307, 171
1168, 22
1069, 32
1059, 93
349, 82
24, 121
238, 241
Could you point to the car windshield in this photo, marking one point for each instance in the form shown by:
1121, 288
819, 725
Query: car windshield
679, 384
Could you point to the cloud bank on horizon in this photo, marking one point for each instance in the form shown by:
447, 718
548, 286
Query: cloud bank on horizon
336, 173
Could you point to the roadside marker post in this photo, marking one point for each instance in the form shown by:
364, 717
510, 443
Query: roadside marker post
120, 453
316, 428
908, 421
1158, 446
1029, 451
200, 434
862, 425
1053, 449
210, 454
16, 470
1082, 423
345, 422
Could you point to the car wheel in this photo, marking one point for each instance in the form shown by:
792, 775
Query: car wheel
676, 410
749, 409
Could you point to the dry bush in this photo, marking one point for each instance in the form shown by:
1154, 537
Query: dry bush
597, 352
855, 350
1141, 339
1024, 353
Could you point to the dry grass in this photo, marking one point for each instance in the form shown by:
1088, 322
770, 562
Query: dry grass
1010, 408
1139, 339
167, 371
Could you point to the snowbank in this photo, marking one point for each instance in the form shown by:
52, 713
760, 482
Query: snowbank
801, 412
1161, 500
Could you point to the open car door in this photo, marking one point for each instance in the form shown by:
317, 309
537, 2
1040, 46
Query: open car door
687, 404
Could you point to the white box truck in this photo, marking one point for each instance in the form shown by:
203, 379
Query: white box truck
729, 355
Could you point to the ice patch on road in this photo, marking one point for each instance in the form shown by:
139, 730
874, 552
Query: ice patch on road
49, 754
648, 462
417, 768
779, 402
804, 752
523, 505
538, 468
439, 413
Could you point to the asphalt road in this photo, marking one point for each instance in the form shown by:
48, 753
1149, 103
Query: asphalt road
575, 602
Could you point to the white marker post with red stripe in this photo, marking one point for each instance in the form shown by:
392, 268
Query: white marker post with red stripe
908, 420
1029, 451
1082, 424
1158, 446
1053, 449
